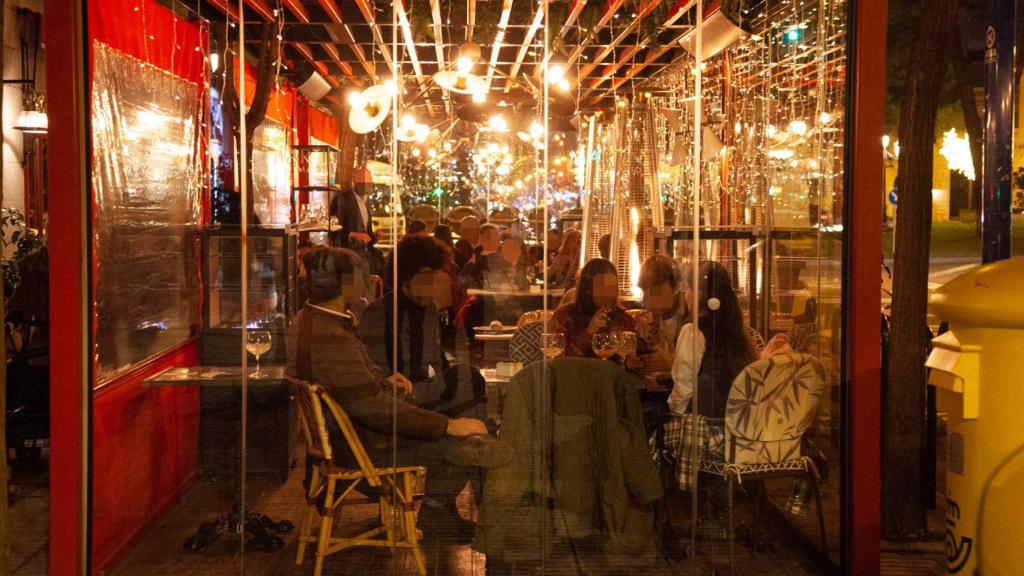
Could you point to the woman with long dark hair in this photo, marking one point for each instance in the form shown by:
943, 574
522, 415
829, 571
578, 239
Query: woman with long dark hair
595, 309
720, 352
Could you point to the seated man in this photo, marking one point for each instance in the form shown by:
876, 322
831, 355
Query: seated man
323, 348
421, 288
664, 313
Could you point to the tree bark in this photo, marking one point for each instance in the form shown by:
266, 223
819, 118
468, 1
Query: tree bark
903, 439
265, 74
972, 119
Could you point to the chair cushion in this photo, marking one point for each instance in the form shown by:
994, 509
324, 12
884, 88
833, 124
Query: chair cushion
525, 344
771, 404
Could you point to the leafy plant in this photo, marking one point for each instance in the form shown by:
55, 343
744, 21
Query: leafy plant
17, 241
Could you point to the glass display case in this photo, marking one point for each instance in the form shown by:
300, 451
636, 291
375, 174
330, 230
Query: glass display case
272, 289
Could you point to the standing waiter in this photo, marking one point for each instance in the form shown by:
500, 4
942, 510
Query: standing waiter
355, 216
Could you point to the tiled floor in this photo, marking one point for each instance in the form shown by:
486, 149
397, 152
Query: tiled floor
28, 523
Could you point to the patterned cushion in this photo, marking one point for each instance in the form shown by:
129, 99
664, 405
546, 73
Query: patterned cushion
771, 404
525, 344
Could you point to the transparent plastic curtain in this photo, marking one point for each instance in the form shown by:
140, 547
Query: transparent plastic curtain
147, 175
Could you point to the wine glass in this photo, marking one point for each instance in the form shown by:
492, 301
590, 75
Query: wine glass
625, 344
257, 343
603, 345
553, 344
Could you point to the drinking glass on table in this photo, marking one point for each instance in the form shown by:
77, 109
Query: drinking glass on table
625, 344
603, 345
552, 344
257, 343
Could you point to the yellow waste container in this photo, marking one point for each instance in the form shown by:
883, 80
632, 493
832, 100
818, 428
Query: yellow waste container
978, 370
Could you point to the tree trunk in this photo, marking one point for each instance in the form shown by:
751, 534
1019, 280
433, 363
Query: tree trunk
972, 119
265, 75
903, 439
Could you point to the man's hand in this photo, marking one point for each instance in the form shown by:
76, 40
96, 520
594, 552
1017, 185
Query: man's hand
360, 237
466, 427
401, 383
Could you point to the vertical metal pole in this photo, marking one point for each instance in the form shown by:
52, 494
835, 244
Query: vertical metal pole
996, 202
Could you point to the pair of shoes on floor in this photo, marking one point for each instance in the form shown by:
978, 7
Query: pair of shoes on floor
480, 450
445, 524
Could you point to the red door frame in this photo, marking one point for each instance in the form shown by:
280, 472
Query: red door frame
70, 374
862, 361
70, 377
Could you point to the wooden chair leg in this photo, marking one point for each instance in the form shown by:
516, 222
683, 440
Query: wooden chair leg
813, 479
323, 541
304, 532
732, 530
409, 525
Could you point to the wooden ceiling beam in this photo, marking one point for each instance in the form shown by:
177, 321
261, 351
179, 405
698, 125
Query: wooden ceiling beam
499, 37
645, 9
334, 13
538, 21
367, 9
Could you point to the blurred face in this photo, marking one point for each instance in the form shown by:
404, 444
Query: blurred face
490, 240
362, 182
429, 287
511, 251
353, 287
606, 289
660, 298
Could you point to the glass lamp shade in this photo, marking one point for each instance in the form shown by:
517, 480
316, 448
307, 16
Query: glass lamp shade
32, 122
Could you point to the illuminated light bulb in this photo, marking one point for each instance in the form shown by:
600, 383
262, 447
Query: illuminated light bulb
563, 85
214, 62
536, 130
447, 147
391, 86
357, 99
464, 64
825, 117
771, 131
408, 120
798, 127
886, 141
498, 123
621, 103
555, 73
479, 97
738, 127
432, 153
416, 152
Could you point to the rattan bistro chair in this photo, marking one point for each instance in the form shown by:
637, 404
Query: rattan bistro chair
333, 486
772, 403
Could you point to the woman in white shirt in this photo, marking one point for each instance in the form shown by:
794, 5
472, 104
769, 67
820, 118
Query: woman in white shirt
713, 352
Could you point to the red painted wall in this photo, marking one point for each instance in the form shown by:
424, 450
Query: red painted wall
145, 454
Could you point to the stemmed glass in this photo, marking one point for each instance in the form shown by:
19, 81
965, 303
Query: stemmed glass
553, 344
603, 345
625, 344
257, 343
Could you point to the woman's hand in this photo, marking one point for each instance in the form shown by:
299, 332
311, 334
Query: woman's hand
399, 382
466, 427
598, 321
